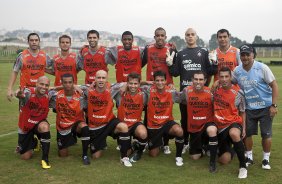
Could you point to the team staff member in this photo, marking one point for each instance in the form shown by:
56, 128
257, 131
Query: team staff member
225, 55
92, 57
126, 58
65, 62
34, 108
102, 121
199, 102
160, 120
131, 104
261, 93
31, 63
229, 116
70, 122
189, 60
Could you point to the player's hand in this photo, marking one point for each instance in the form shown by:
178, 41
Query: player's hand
77, 89
20, 93
213, 58
83, 47
10, 94
273, 111
171, 87
169, 57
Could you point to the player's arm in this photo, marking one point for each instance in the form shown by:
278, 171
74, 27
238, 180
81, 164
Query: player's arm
111, 55
241, 106
50, 68
176, 96
274, 86
144, 56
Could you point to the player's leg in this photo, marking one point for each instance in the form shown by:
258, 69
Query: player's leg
83, 130
25, 145
176, 131
195, 145
212, 145
224, 147
141, 135
183, 112
43, 130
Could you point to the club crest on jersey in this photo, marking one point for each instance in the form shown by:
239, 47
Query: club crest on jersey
199, 54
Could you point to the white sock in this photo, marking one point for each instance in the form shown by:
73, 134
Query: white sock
249, 154
266, 155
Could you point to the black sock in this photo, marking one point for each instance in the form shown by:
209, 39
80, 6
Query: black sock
179, 143
166, 140
124, 140
45, 142
141, 144
213, 148
240, 150
85, 138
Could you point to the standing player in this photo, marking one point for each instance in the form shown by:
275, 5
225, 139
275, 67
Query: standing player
70, 122
190, 60
200, 118
229, 115
160, 120
34, 108
127, 58
92, 57
261, 93
32, 63
102, 121
156, 56
65, 62
225, 55
131, 104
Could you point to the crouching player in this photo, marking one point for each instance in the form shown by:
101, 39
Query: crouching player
34, 108
160, 120
229, 115
200, 118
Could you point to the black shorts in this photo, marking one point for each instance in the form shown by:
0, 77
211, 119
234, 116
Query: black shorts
198, 139
26, 141
265, 122
99, 136
224, 140
68, 139
155, 136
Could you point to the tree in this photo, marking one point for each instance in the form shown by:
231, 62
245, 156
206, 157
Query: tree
200, 42
180, 43
140, 42
213, 42
258, 39
46, 35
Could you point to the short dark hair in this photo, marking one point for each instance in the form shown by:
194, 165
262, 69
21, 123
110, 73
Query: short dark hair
159, 73
160, 29
200, 72
222, 31
225, 69
32, 34
134, 75
93, 32
64, 36
126, 33
67, 75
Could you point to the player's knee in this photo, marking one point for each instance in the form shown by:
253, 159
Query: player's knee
235, 134
63, 153
44, 127
225, 158
212, 131
195, 157
142, 134
122, 127
154, 152
27, 155
178, 131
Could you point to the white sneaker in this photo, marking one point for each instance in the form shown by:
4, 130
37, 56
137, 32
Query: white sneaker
125, 161
118, 147
179, 161
243, 173
185, 148
265, 164
167, 150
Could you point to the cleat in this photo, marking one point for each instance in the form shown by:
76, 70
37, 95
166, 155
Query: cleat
166, 150
185, 148
37, 146
45, 164
118, 147
136, 156
18, 150
212, 168
249, 162
125, 161
243, 173
265, 164
179, 161
85, 160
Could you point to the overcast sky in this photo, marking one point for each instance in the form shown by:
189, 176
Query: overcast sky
243, 18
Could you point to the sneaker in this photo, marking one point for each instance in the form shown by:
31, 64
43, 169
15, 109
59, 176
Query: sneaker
136, 156
166, 150
243, 173
118, 147
85, 160
45, 164
18, 150
37, 146
212, 168
179, 161
125, 161
185, 148
249, 162
265, 164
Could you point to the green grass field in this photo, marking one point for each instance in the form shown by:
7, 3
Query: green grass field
108, 169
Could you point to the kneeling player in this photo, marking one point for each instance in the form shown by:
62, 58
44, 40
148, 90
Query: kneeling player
102, 121
34, 108
131, 104
160, 120
70, 121
229, 109
200, 118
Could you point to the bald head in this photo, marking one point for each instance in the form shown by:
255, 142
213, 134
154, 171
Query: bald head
42, 79
101, 72
101, 79
42, 85
191, 37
